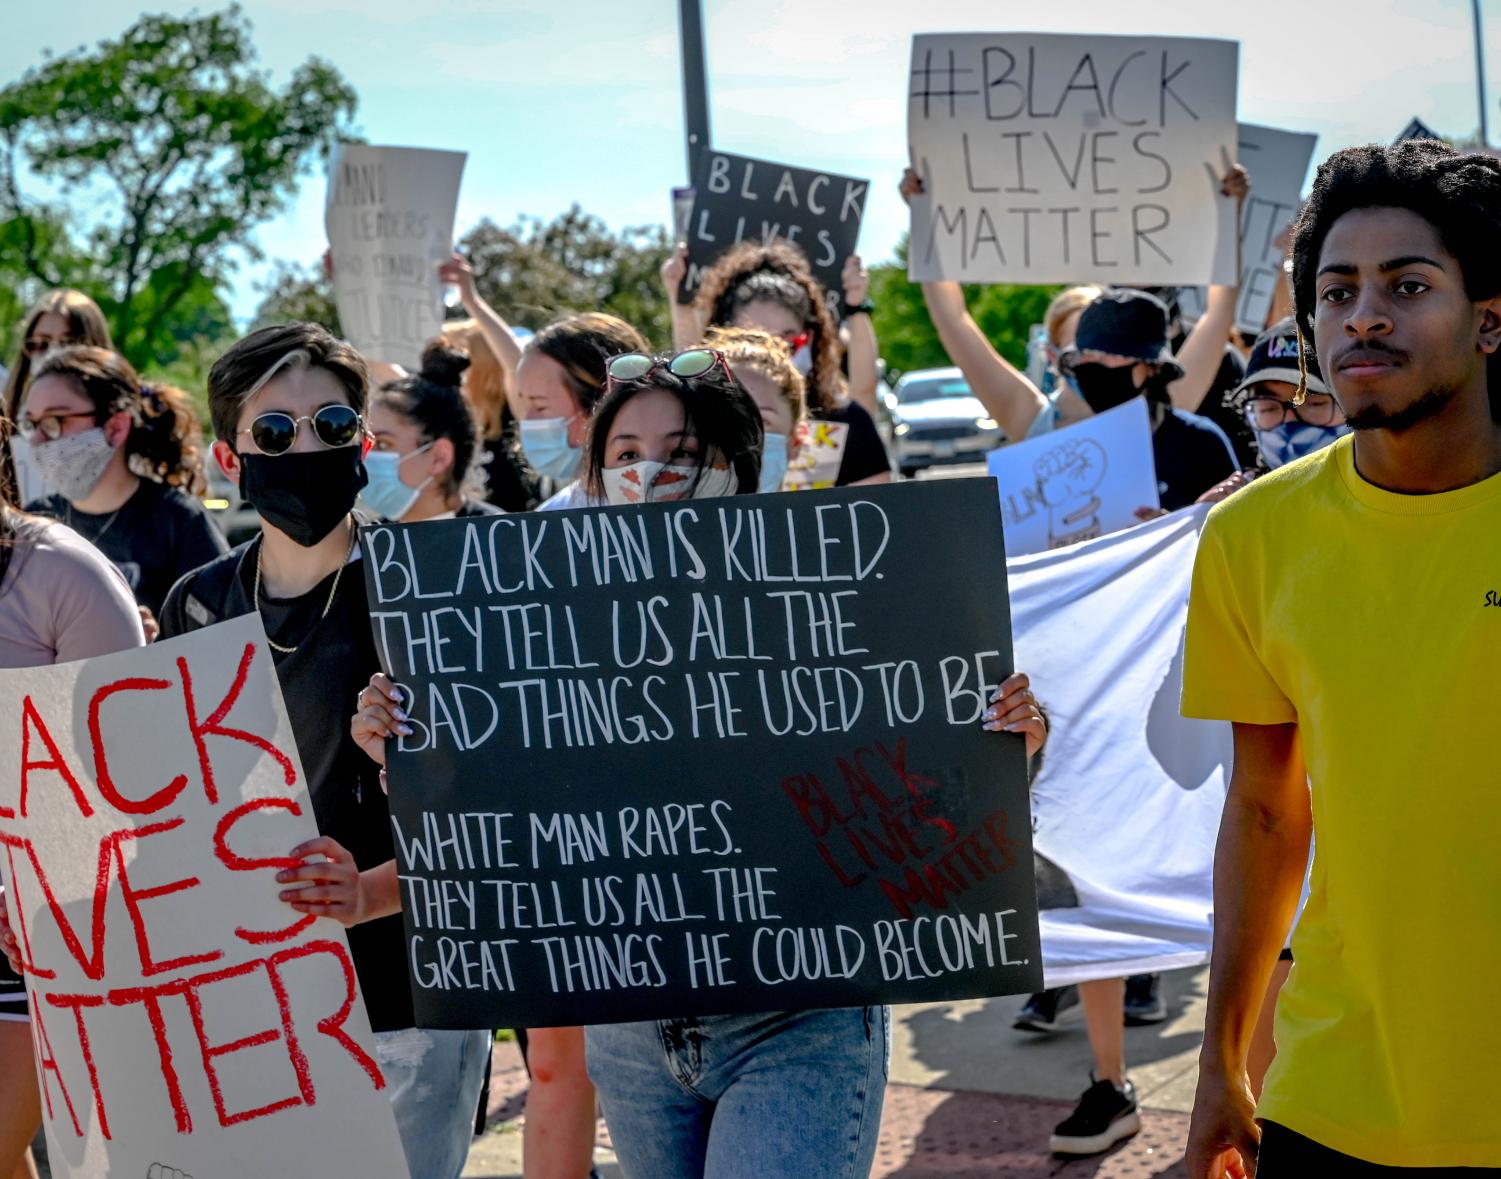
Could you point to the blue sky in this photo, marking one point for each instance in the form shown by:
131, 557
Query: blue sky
562, 101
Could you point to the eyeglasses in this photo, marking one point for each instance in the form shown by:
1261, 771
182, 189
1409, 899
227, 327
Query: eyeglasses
50, 426
41, 345
695, 362
276, 432
1267, 413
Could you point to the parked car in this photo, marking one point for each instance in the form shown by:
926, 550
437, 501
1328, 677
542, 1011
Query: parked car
937, 421
235, 518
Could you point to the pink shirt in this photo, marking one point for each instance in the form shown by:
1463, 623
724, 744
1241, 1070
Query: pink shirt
62, 600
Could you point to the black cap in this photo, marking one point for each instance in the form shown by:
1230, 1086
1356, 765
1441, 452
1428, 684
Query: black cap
1274, 357
1123, 322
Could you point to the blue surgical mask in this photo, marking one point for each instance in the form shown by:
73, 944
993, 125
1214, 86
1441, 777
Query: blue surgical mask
1292, 440
544, 441
386, 495
773, 463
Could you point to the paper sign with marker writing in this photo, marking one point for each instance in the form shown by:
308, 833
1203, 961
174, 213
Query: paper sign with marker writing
1278, 162
1058, 158
185, 1020
1077, 483
389, 217
817, 461
736, 198
676, 760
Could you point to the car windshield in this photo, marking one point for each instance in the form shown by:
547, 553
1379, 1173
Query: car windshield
931, 389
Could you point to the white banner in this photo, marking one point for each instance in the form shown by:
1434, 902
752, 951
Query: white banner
1052, 158
1074, 484
389, 217
186, 1021
1127, 803
1278, 164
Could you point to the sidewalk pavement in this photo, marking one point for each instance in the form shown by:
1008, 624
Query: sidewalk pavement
970, 1096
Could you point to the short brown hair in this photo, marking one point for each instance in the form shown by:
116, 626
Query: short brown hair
768, 353
252, 361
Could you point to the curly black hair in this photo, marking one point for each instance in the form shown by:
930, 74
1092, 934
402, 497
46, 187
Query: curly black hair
1458, 193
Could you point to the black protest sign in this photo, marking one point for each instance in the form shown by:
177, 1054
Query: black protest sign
736, 198
706, 757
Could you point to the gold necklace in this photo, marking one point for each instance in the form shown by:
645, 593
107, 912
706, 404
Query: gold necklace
332, 590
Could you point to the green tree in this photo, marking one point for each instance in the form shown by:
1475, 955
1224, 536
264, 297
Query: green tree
533, 272
161, 151
907, 337
298, 294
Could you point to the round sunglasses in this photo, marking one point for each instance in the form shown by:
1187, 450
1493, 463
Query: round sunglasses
276, 432
695, 362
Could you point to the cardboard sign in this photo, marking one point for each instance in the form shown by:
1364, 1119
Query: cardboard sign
1278, 162
389, 218
816, 464
1077, 483
1052, 158
736, 198
186, 1021
677, 760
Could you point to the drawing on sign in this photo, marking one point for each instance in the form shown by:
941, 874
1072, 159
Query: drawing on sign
1068, 482
728, 783
1053, 158
1077, 483
736, 199
816, 464
179, 1009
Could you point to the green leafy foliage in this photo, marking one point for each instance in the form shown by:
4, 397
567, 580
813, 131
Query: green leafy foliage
159, 152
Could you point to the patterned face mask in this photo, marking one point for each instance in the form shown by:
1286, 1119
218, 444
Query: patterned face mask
72, 466
650, 482
1293, 440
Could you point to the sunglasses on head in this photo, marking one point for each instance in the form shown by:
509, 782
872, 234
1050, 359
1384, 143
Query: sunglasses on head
276, 432
695, 362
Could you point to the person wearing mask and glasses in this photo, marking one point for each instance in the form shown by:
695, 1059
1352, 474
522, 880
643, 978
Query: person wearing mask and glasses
123, 468
288, 405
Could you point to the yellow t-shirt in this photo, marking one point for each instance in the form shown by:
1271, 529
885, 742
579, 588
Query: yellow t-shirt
1373, 621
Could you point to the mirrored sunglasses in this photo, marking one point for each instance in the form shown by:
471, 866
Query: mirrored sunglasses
276, 432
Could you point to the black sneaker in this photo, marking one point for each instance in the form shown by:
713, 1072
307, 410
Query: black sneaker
1040, 1013
1104, 1116
1143, 1004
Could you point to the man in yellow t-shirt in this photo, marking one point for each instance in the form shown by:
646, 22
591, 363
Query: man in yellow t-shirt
1346, 615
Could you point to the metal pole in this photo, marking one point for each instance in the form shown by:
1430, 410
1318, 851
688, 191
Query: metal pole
1485, 140
695, 81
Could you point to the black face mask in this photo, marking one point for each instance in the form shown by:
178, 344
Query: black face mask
304, 495
1104, 388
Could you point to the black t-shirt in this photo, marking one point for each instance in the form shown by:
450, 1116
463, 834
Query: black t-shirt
1192, 455
156, 536
864, 453
335, 658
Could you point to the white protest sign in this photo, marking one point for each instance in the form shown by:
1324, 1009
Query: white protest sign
816, 464
389, 217
186, 1021
1077, 483
1055, 158
1278, 162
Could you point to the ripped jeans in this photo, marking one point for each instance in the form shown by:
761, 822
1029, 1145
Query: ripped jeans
433, 1079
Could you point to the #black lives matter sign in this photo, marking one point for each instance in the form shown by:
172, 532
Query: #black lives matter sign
706, 757
736, 198
1054, 158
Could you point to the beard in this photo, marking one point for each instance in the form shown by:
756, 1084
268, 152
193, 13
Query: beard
1430, 404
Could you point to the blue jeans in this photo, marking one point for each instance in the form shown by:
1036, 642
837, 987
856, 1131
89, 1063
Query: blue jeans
433, 1079
777, 1095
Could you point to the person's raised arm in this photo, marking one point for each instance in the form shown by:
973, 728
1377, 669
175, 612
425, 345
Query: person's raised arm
1259, 863
1005, 392
1204, 351
687, 328
497, 331
860, 337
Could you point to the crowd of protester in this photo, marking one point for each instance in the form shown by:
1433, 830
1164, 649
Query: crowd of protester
105, 544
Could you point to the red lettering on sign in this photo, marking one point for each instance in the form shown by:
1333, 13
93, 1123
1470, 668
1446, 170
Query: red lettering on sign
129, 806
76, 1004
238, 863
32, 720
210, 1051
151, 999
134, 896
47, 1064
214, 726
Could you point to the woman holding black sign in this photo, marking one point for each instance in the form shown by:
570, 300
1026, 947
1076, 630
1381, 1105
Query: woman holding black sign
774, 1094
